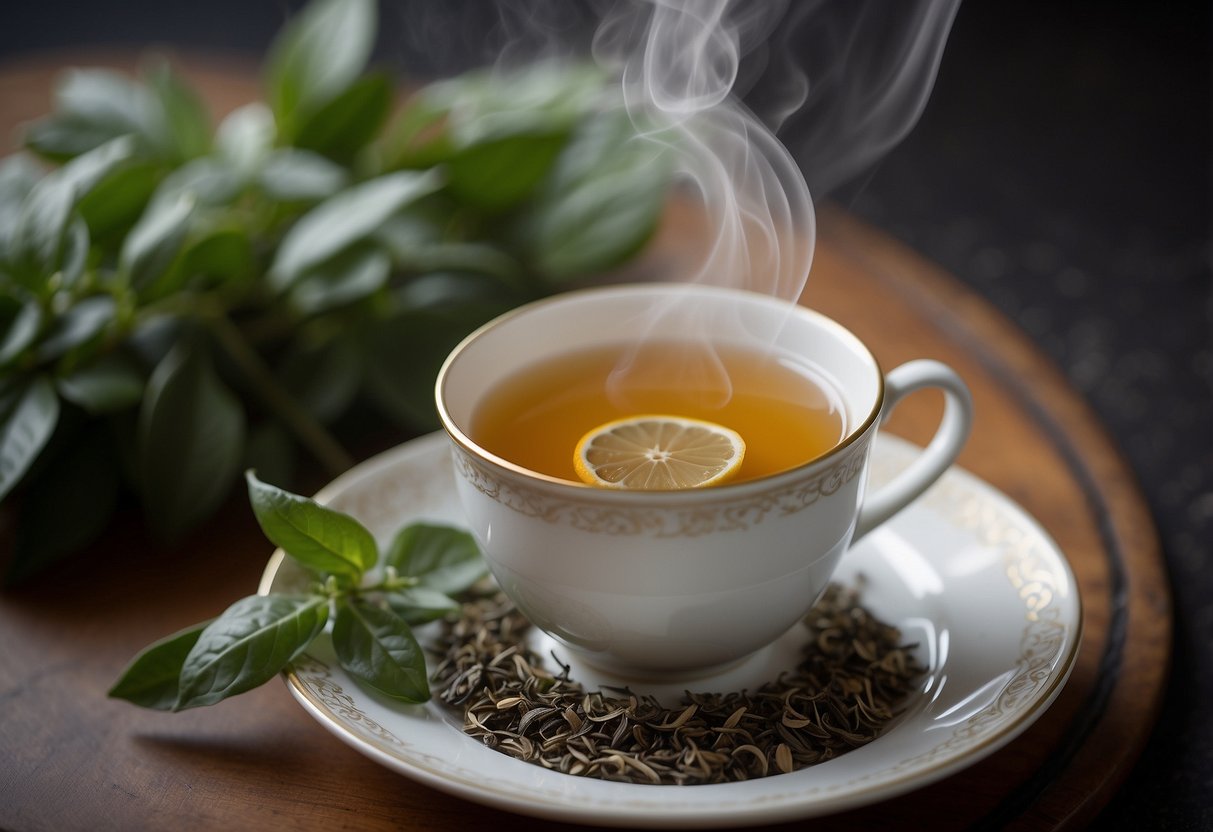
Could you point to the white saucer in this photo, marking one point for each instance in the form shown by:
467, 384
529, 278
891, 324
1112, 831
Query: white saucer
964, 572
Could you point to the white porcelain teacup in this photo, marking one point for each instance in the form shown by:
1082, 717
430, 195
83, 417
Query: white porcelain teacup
680, 583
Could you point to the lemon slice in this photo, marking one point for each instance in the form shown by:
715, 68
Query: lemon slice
658, 453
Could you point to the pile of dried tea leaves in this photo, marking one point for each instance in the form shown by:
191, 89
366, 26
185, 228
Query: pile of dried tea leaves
854, 678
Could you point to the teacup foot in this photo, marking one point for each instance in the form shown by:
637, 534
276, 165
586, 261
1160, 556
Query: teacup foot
747, 673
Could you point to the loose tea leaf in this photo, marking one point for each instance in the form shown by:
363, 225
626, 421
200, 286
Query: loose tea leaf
855, 678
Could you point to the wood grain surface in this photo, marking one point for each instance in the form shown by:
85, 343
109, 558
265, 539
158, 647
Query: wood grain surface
72, 759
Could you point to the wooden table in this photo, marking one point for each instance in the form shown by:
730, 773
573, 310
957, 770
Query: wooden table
72, 759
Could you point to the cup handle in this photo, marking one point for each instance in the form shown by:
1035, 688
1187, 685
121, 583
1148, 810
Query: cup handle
937, 456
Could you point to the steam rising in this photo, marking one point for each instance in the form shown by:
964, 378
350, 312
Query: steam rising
682, 65
846, 81
714, 80
840, 81
678, 64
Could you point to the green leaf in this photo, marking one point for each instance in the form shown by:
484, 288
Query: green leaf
377, 648
602, 202
497, 173
185, 123
108, 100
418, 604
347, 278
18, 176
21, 330
153, 338
60, 137
543, 97
410, 230
464, 300
440, 557
250, 643
190, 440
405, 389
80, 324
209, 181
323, 378
112, 382
151, 679
507, 129
417, 138
25, 430
317, 56
43, 224
46, 211
223, 253
65, 503
155, 241
346, 124
116, 203
416, 246
11, 391
245, 138
467, 258
95, 106
319, 537
75, 253
339, 222
290, 175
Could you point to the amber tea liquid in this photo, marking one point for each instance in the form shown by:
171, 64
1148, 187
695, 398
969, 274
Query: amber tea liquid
784, 410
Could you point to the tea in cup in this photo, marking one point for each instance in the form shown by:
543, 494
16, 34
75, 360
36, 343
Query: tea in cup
676, 582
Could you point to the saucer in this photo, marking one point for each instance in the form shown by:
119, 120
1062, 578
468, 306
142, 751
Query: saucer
963, 572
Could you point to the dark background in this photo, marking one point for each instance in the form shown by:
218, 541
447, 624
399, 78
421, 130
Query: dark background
1063, 169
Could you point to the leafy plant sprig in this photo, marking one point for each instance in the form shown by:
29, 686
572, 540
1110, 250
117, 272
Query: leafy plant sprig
257, 637
179, 303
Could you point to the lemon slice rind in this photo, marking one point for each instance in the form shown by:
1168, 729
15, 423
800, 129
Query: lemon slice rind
656, 452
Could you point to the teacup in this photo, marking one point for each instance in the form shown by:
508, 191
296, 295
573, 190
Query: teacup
676, 584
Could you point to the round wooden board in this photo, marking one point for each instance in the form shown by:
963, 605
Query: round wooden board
74, 759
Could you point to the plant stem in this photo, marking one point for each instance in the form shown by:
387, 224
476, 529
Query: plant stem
310, 433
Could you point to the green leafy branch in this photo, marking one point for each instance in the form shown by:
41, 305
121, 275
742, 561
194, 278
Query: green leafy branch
258, 637
178, 303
